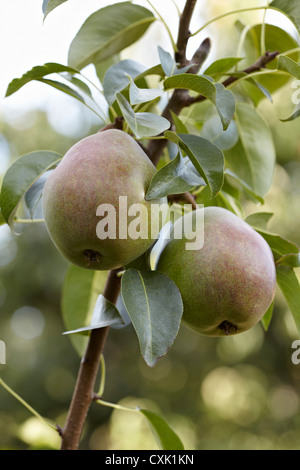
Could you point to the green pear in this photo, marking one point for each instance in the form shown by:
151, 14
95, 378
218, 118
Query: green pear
96, 172
227, 285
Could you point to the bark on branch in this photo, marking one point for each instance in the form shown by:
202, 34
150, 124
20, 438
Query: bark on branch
181, 98
256, 67
184, 31
84, 389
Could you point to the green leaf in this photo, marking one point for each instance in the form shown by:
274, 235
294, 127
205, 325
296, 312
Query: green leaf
81, 289
285, 252
107, 32
166, 438
253, 158
291, 8
276, 40
241, 184
266, 319
169, 65
2, 220
20, 177
197, 83
223, 99
179, 125
259, 220
115, 81
155, 70
225, 104
155, 307
213, 130
115, 78
49, 5
167, 62
294, 116
64, 88
34, 193
36, 73
206, 157
142, 124
289, 65
176, 177
261, 88
221, 66
79, 84
290, 288
102, 67
142, 95
227, 201
142, 263
105, 314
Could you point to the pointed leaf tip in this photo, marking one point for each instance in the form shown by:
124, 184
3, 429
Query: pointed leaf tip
166, 438
155, 307
20, 176
105, 314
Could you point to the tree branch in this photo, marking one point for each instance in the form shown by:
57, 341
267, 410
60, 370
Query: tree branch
184, 31
185, 197
181, 98
200, 56
84, 389
117, 124
256, 67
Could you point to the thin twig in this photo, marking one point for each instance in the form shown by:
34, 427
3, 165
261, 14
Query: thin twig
165, 25
229, 13
98, 400
257, 66
29, 407
263, 32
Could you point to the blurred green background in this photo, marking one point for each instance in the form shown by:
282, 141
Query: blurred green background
231, 393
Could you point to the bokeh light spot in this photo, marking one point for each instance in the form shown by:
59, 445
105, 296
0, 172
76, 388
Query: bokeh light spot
27, 323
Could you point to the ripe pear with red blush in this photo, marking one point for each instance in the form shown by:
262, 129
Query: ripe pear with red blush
97, 171
227, 285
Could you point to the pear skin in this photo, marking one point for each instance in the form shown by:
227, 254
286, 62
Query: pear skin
95, 171
227, 285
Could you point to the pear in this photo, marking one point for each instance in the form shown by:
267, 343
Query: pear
96, 172
227, 285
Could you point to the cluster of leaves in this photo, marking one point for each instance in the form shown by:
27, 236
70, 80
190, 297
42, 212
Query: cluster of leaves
220, 148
